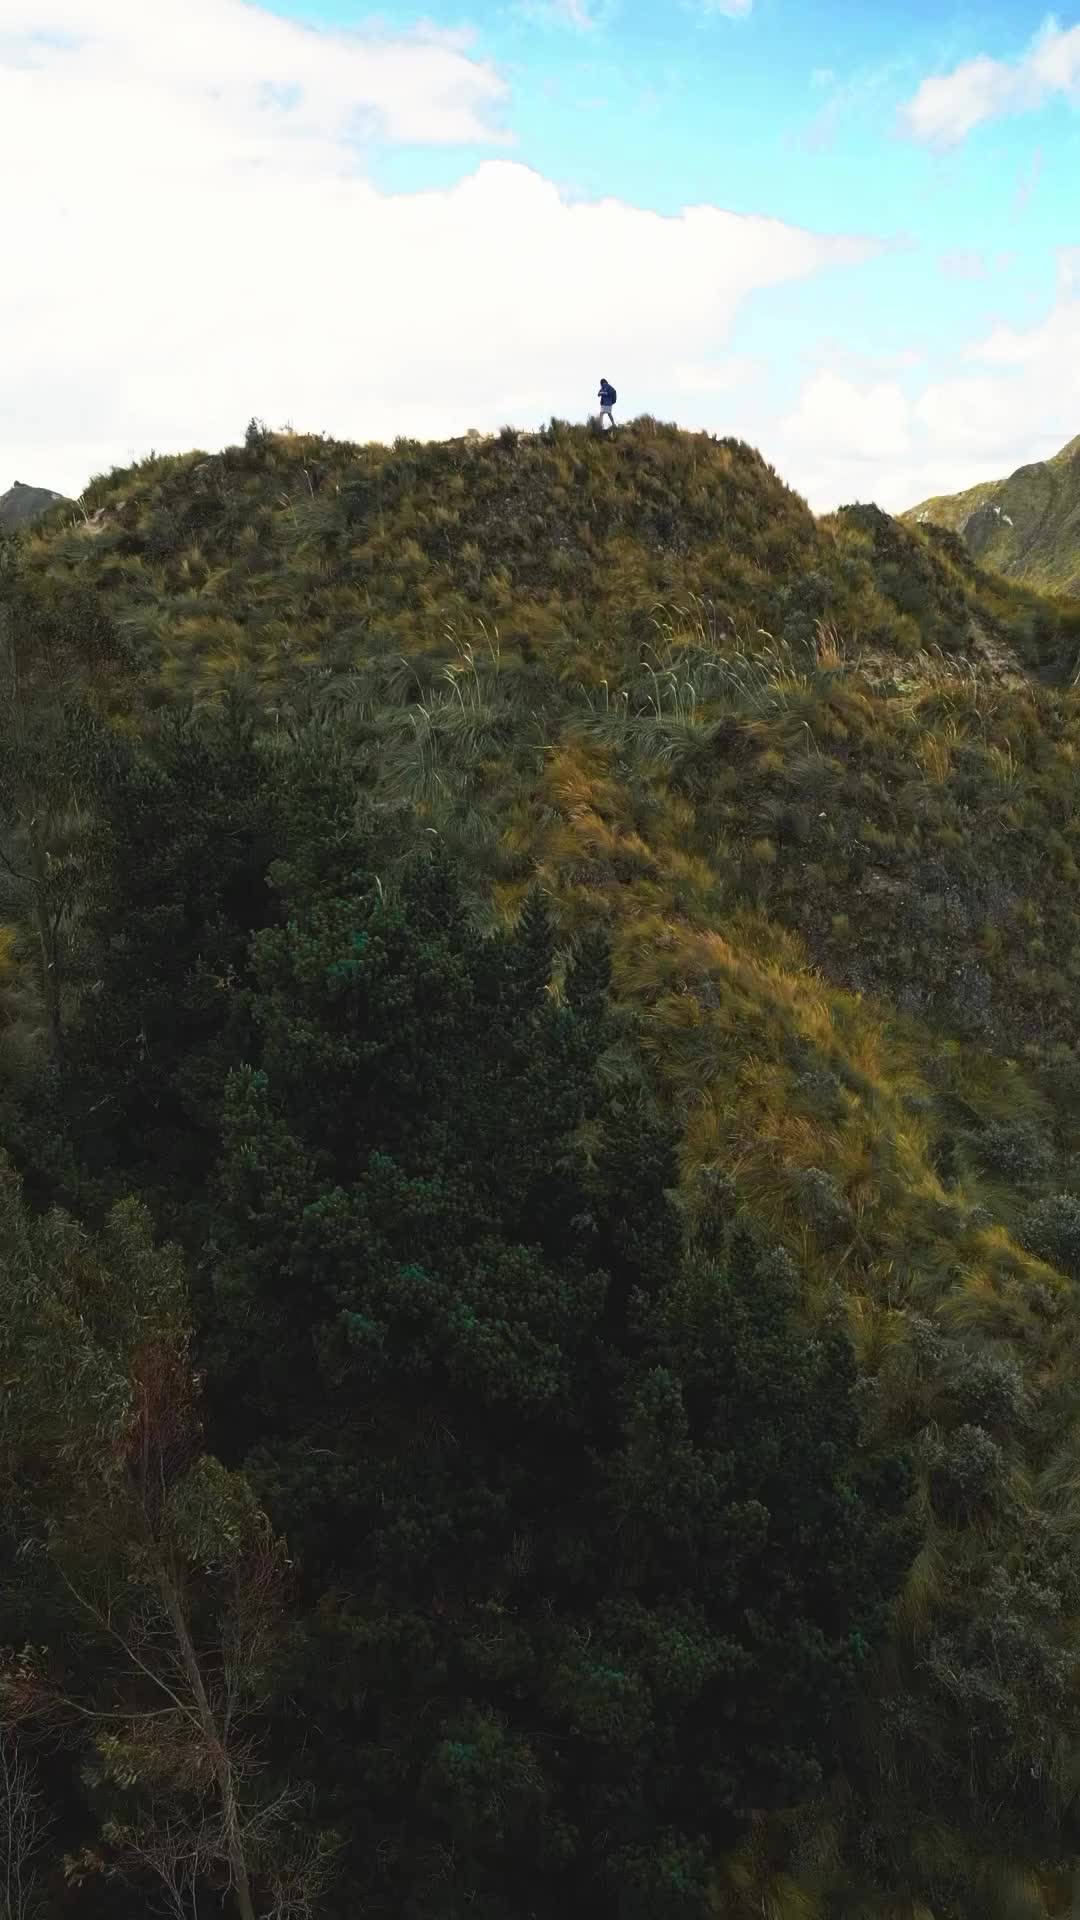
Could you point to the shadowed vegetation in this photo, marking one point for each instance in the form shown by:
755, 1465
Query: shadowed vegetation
543, 915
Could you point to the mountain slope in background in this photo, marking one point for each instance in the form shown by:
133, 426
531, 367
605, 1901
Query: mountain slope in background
1026, 527
21, 505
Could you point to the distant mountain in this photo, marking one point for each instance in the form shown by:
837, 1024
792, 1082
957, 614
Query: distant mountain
1027, 527
22, 504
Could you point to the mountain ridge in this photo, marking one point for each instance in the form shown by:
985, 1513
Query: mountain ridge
22, 505
1025, 527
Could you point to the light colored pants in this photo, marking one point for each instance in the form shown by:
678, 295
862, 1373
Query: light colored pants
605, 414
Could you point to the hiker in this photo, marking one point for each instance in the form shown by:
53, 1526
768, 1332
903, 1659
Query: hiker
608, 397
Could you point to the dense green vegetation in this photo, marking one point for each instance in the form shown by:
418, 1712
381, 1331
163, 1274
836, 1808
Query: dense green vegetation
541, 1216
1026, 527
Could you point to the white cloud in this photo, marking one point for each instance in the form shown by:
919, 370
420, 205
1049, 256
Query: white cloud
1013, 398
833, 356
963, 263
948, 106
873, 417
733, 375
272, 80
199, 244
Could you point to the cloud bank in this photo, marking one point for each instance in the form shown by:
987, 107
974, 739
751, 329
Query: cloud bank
1014, 397
200, 244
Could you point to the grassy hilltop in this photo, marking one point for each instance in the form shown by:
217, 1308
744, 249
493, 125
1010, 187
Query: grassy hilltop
818, 780
822, 711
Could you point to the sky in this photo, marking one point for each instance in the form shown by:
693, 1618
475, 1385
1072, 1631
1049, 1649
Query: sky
848, 234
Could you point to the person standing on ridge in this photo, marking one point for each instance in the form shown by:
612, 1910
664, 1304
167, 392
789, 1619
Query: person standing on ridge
608, 397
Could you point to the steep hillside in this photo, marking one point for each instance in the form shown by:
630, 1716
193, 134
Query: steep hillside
1026, 527
819, 782
21, 505
841, 707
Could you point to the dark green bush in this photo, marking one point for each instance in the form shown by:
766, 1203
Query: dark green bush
1051, 1229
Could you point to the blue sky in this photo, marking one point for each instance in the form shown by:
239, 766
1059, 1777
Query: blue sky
878, 286
787, 111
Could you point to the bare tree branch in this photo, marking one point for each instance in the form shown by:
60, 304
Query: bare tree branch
23, 1828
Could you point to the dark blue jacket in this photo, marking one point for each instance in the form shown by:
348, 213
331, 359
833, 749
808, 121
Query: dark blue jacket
607, 394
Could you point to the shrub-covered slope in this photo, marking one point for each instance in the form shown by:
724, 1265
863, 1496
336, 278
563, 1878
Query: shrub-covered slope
820, 784
859, 733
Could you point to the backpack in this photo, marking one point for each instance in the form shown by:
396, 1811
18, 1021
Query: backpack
611, 396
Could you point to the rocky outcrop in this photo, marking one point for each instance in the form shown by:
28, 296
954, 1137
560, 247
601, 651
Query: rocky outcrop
22, 505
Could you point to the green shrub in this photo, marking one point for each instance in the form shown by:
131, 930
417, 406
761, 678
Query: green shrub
1051, 1229
1015, 1150
967, 1470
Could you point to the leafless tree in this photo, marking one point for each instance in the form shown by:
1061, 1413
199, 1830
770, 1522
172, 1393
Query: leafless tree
24, 1825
